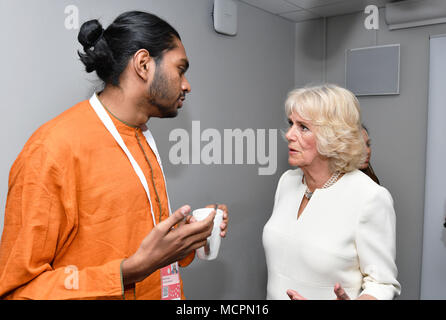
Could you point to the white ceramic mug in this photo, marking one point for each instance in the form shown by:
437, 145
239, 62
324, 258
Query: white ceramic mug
210, 250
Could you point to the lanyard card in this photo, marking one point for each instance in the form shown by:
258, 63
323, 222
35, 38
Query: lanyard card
170, 282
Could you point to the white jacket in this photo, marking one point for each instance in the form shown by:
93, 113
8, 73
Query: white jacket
345, 234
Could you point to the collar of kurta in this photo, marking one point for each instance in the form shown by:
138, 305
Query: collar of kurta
108, 123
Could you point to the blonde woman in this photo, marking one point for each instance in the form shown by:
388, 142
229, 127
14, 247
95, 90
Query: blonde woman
332, 231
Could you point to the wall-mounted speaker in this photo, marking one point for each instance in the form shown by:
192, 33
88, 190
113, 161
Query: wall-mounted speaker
225, 17
373, 70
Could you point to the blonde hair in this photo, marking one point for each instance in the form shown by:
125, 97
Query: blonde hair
335, 113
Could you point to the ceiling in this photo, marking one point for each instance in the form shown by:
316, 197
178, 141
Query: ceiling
302, 10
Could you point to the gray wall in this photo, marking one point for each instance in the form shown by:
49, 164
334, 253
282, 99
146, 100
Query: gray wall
397, 124
238, 82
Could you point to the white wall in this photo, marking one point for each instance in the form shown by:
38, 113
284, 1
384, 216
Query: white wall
397, 124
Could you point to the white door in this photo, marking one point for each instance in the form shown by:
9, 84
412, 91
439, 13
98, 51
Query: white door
433, 275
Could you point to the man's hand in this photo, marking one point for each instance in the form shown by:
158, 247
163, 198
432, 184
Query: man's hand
170, 241
224, 223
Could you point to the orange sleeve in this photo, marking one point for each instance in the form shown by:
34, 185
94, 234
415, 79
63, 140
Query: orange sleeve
40, 222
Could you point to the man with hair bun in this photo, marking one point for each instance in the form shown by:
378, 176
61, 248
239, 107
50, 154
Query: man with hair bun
88, 214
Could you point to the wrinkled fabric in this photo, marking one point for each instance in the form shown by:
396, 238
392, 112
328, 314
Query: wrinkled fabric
75, 209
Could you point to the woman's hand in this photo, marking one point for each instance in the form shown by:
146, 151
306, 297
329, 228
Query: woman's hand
294, 295
340, 293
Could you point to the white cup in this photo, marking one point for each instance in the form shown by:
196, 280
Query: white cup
210, 250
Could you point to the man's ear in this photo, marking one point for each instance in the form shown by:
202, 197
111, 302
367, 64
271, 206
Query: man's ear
142, 64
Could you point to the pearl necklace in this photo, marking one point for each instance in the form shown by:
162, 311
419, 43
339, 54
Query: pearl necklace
330, 182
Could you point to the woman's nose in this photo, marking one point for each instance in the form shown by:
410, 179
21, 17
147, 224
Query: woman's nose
290, 135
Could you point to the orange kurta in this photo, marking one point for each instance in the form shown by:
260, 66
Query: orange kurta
74, 201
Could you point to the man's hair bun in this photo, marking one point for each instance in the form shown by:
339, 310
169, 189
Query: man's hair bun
98, 56
90, 33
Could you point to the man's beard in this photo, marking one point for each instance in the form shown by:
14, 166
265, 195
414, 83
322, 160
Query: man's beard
161, 97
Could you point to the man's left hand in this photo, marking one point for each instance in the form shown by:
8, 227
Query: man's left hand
224, 223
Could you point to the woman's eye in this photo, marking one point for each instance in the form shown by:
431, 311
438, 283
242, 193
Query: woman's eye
290, 123
303, 127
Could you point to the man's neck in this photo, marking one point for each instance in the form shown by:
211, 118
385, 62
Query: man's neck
124, 106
